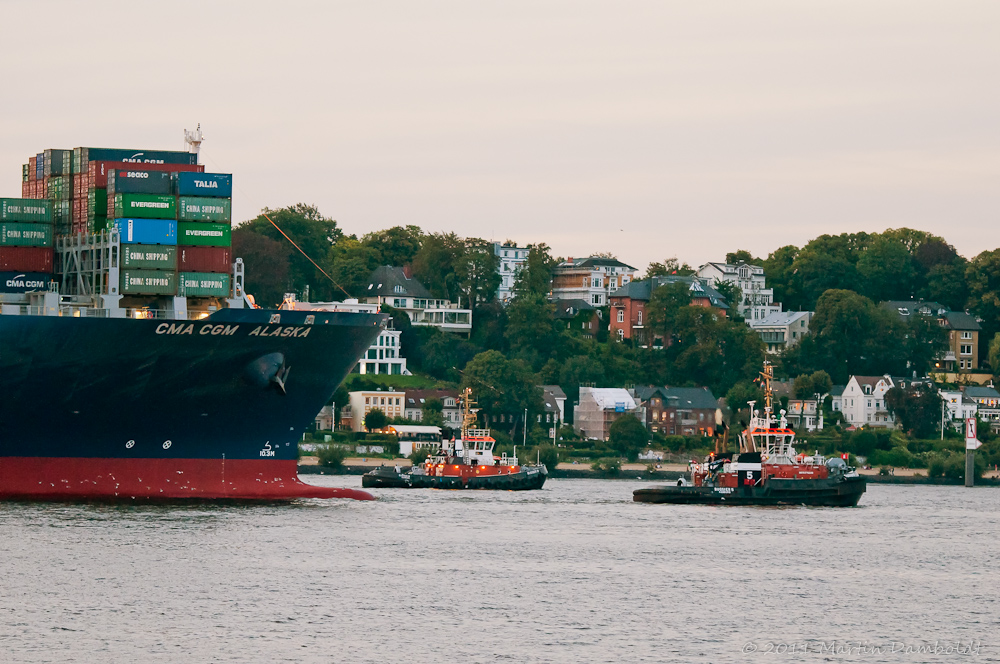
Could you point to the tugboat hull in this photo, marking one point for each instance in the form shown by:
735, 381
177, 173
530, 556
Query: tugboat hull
525, 479
822, 493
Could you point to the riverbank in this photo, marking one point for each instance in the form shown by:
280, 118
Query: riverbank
666, 472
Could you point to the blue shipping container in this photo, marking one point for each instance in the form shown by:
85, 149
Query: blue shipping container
216, 185
147, 231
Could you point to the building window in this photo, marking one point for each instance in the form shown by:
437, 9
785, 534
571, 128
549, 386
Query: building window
597, 283
966, 335
596, 299
368, 400
621, 315
398, 289
640, 318
966, 349
621, 334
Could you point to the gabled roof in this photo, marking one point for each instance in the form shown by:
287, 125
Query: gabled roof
594, 261
907, 309
959, 320
570, 308
872, 380
982, 392
837, 390
417, 398
555, 390
679, 397
642, 289
385, 280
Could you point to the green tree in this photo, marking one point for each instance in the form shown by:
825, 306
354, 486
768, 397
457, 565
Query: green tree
665, 302
395, 246
734, 257
477, 272
734, 297
432, 413
740, 394
803, 387
531, 332
994, 354
917, 409
330, 455
267, 263
628, 436
849, 334
535, 275
983, 278
351, 264
668, 267
434, 265
779, 271
887, 270
375, 419
502, 386
712, 350
314, 233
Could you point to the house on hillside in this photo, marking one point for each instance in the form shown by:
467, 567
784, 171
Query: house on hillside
782, 330
397, 288
959, 406
592, 279
863, 401
362, 401
987, 402
804, 414
599, 407
678, 411
628, 306
555, 401
416, 400
963, 332
757, 300
512, 257
578, 316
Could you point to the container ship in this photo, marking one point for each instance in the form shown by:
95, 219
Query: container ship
767, 470
133, 365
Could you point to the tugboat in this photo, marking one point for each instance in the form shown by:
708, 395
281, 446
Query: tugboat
465, 463
766, 471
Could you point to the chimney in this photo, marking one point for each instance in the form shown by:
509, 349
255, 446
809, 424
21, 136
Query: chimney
408, 271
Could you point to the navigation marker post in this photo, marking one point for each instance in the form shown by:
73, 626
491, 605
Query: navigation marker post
971, 443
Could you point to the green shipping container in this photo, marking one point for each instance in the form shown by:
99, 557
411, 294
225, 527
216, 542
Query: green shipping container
20, 234
145, 206
97, 202
197, 208
203, 234
100, 224
203, 284
149, 282
26, 209
149, 256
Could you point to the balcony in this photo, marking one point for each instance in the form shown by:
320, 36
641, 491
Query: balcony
445, 318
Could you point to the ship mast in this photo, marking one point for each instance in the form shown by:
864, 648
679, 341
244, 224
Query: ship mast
765, 378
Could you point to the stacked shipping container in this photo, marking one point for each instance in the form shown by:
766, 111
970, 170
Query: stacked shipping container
174, 219
25, 244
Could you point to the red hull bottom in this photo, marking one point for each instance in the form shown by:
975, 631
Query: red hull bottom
41, 478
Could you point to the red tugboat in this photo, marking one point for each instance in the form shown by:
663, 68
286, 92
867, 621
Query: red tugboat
465, 463
766, 471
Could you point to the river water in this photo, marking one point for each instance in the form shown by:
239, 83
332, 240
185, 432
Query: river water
575, 572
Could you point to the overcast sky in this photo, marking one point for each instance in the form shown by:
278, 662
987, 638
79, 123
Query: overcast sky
648, 129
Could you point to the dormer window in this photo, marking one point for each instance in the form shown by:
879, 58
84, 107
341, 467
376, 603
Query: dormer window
398, 289
903, 311
868, 389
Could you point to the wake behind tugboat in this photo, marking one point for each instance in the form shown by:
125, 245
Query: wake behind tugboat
766, 471
465, 463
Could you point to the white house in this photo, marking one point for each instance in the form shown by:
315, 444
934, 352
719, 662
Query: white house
384, 356
959, 405
511, 258
451, 410
757, 300
396, 287
361, 402
782, 329
863, 401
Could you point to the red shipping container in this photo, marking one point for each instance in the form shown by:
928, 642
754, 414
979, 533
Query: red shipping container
26, 259
32, 167
25, 190
204, 259
99, 170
